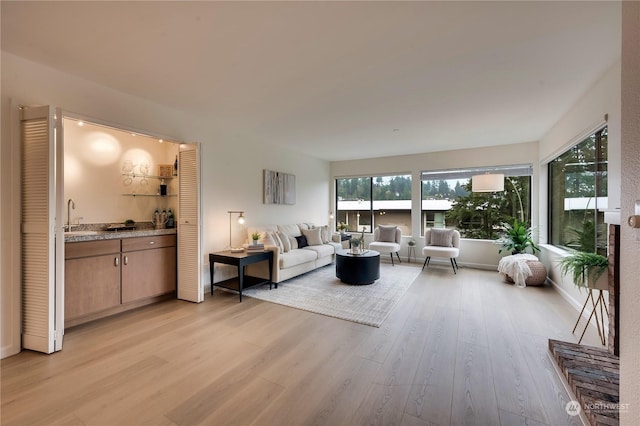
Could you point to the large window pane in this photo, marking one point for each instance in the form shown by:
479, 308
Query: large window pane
392, 202
448, 202
578, 194
366, 202
354, 203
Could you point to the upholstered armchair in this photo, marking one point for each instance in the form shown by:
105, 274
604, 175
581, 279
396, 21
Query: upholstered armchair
443, 243
386, 239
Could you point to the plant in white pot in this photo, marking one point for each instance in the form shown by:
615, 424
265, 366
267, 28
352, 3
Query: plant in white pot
586, 269
356, 243
255, 237
342, 227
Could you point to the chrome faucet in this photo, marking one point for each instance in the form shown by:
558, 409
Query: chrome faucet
70, 205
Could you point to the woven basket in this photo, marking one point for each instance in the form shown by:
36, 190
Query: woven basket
538, 273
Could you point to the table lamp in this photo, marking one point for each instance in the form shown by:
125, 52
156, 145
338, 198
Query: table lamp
240, 221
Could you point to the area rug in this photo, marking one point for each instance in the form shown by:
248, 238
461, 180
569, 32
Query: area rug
321, 292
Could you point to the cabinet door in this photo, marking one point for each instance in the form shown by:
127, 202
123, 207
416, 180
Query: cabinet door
92, 284
148, 273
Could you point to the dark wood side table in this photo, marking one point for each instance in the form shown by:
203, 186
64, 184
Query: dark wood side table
241, 260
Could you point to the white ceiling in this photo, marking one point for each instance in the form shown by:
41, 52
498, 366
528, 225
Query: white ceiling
336, 80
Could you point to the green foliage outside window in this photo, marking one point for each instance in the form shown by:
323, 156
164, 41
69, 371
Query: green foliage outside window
481, 215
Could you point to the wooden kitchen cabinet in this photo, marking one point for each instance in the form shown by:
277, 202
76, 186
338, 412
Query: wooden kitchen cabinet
92, 277
106, 277
148, 267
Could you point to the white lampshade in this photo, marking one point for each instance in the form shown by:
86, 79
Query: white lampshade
490, 182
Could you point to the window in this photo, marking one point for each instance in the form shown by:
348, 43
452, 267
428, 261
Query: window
447, 201
366, 202
577, 195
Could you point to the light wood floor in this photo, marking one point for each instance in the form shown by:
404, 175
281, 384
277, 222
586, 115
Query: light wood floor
457, 349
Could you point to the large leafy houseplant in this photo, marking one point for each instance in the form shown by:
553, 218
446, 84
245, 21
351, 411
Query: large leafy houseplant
517, 238
584, 268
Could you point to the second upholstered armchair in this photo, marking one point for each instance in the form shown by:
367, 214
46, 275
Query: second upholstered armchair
386, 239
444, 243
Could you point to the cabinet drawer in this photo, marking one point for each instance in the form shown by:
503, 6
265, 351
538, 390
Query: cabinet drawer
90, 248
144, 243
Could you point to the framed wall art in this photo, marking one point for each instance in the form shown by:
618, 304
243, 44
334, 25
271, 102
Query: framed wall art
279, 188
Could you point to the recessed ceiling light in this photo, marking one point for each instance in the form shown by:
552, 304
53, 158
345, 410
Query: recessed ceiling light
133, 134
80, 123
160, 140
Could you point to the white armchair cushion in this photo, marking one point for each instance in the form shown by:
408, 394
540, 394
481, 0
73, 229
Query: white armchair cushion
384, 247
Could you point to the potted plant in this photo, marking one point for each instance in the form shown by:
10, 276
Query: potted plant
585, 269
412, 242
342, 227
255, 237
517, 238
356, 242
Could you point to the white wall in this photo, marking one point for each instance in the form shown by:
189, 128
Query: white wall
231, 167
476, 253
630, 238
93, 159
603, 98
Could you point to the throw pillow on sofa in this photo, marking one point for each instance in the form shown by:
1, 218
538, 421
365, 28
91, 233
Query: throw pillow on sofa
325, 234
293, 242
302, 241
286, 244
313, 236
278, 241
267, 239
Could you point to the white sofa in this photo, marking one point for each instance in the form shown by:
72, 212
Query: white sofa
289, 260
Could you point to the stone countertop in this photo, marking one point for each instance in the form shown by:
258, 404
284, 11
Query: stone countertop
72, 237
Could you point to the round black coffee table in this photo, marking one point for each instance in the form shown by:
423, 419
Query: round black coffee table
358, 269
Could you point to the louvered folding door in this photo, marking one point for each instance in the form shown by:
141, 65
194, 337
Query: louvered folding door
189, 262
42, 254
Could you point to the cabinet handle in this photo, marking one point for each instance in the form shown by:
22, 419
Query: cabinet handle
126, 260
116, 261
152, 242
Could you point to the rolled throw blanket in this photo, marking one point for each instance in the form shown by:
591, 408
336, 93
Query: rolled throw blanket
516, 267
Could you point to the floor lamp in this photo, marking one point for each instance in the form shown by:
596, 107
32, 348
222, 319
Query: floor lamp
240, 221
494, 182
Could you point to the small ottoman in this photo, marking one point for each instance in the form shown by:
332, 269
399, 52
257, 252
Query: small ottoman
538, 273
